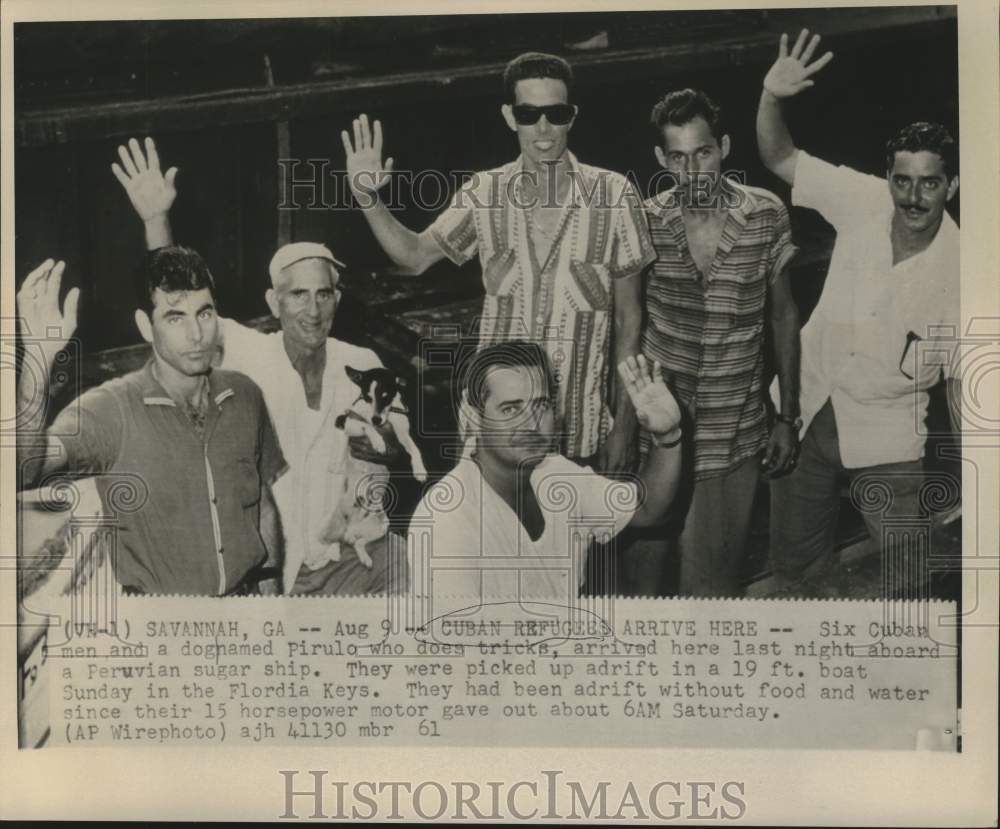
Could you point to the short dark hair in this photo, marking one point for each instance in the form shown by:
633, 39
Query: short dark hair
684, 105
924, 136
512, 354
171, 269
537, 65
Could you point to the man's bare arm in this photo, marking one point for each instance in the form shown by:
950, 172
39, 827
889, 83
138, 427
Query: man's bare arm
657, 411
616, 452
40, 318
782, 445
789, 75
413, 252
270, 531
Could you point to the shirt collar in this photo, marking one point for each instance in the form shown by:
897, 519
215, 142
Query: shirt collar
576, 170
153, 393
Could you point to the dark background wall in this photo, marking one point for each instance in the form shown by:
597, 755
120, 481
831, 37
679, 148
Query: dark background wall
69, 205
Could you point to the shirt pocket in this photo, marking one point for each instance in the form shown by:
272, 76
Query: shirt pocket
500, 273
247, 482
589, 289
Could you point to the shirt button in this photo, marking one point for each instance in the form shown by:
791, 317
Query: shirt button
221, 550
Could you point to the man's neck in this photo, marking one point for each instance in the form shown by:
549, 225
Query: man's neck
181, 388
505, 481
305, 360
548, 181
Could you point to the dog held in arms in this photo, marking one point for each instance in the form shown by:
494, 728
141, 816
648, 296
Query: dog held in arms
359, 517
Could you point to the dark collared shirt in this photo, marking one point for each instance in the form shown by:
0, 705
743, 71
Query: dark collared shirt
707, 330
187, 504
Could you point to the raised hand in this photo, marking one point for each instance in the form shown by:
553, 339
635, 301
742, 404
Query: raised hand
38, 309
150, 191
366, 173
791, 73
655, 407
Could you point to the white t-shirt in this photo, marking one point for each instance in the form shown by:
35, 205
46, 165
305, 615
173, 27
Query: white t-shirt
465, 541
882, 333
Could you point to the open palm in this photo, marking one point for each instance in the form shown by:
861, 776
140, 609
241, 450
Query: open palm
655, 407
791, 72
150, 191
365, 171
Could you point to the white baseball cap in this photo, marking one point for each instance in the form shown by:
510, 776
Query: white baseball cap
296, 251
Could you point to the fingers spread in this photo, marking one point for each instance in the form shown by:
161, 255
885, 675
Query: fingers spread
152, 156
810, 48
53, 284
32, 280
377, 138
800, 44
783, 46
819, 64
119, 174
171, 175
127, 164
137, 157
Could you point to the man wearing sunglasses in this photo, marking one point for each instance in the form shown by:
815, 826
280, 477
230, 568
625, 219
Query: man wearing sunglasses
886, 324
301, 372
561, 245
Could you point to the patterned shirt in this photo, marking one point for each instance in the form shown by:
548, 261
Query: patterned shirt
566, 301
708, 331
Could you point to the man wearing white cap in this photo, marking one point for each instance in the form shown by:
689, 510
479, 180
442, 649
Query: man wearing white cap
301, 371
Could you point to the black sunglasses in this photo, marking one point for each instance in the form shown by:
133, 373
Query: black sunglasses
557, 114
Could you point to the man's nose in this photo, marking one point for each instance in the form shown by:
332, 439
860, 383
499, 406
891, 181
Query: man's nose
543, 124
195, 332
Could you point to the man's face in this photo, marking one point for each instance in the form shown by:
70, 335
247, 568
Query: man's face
183, 329
541, 142
694, 156
518, 422
305, 300
920, 190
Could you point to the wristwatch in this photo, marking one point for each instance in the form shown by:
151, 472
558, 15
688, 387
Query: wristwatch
794, 422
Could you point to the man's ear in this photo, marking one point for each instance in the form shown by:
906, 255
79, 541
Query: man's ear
271, 298
401, 383
143, 323
661, 157
508, 115
725, 145
952, 188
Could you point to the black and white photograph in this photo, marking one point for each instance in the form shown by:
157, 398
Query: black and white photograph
545, 381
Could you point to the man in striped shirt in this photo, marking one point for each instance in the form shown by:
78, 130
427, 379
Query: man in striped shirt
561, 245
722, 256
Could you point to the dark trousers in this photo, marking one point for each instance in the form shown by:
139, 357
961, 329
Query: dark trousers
805, 505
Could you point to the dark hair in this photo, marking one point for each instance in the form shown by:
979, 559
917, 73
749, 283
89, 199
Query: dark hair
171, 269
683, 106
920, 136
537, 65
513, 354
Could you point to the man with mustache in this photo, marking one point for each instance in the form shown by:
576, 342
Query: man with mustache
562, 246
885, 326
199, 438
515, 517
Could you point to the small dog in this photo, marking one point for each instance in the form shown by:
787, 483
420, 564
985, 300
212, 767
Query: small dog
359, 516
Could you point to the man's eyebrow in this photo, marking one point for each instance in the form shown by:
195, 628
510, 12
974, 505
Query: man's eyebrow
509, 402
206, 306
174, 312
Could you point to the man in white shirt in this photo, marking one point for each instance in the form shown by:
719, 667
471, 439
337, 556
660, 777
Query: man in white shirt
513, 520
301, 372
886, 325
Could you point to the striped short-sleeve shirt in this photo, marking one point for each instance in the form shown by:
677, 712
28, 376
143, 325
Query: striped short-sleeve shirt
708, 330
566, 302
